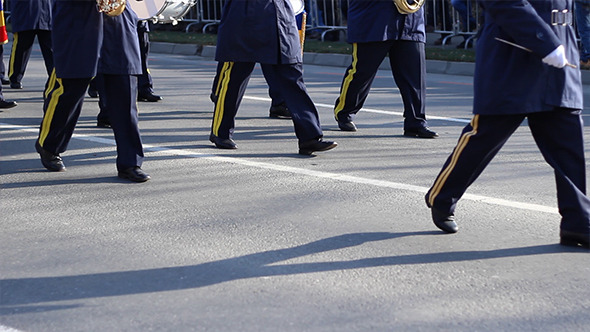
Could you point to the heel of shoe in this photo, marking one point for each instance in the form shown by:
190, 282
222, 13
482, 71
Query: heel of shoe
568, 242
572, 239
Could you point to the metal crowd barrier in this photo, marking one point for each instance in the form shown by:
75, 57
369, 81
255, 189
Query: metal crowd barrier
446, 20
206, 12
325, 16
322, 15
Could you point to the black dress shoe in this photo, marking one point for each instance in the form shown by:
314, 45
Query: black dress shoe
52, 162
4, 81
150, 97
574, 239
7, 104
311, 146
103, 124
134, 174
444, 221
93, 93
423, 132
279, 111
346, 125
223, 143
16, 85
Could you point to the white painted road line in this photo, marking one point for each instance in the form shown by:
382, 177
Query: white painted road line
7, 329
371, 110
300, 171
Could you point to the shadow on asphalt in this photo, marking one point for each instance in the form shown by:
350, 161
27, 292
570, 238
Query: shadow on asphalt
16, 294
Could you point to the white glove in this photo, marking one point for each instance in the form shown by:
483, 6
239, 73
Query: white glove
556, 58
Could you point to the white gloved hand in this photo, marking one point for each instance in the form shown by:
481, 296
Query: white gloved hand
556, 58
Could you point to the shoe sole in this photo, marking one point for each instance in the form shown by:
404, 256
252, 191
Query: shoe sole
570, 242
148, 100
573, 243
220, 146
225, 147
419, 136
125, 177
276, 116
48, 166
310, 152
347, 129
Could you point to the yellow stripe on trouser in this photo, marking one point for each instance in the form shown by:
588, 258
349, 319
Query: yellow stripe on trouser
347, 81
50, 83
12, 54
220, 92
442, 178
48, 117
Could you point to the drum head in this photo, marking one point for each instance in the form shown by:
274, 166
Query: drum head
298, 6
146, 8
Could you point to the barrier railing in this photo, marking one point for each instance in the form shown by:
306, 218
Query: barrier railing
451, 18
325, 16
206, 12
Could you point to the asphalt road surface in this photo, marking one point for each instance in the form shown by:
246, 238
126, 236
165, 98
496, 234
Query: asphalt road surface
262, 239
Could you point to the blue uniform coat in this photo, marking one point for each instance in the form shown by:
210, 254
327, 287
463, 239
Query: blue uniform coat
367, 22
119, 54
76, 42
262, 31
30, 15
510, 80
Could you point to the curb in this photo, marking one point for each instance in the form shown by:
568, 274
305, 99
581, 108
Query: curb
332, 60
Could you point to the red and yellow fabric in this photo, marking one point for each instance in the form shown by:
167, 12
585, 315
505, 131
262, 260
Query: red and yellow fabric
3, 34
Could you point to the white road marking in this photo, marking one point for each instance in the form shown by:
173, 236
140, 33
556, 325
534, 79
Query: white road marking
300, 171
371, 110
7, 329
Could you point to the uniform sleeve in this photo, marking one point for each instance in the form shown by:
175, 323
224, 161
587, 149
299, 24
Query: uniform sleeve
523, 24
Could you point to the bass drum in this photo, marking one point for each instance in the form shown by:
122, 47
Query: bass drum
161, 11
298, 6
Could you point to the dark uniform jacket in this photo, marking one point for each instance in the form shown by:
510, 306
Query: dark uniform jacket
30, 15
262, 31
375, 21
509, 80
77, 38
119, 54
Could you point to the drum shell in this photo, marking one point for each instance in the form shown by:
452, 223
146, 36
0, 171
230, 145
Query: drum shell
161, 11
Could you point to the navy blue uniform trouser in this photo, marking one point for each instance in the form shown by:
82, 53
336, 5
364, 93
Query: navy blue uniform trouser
21, 52
2, 67
231, 82
273, 92
118, 96
62, 106
144, 80
559, 136
408, 66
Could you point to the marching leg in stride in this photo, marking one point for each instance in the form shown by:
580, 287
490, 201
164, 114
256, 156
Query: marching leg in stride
271, 39
377, 29
88, 42
543, 89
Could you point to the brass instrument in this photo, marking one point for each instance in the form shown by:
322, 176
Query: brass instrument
408, 6
111, 7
